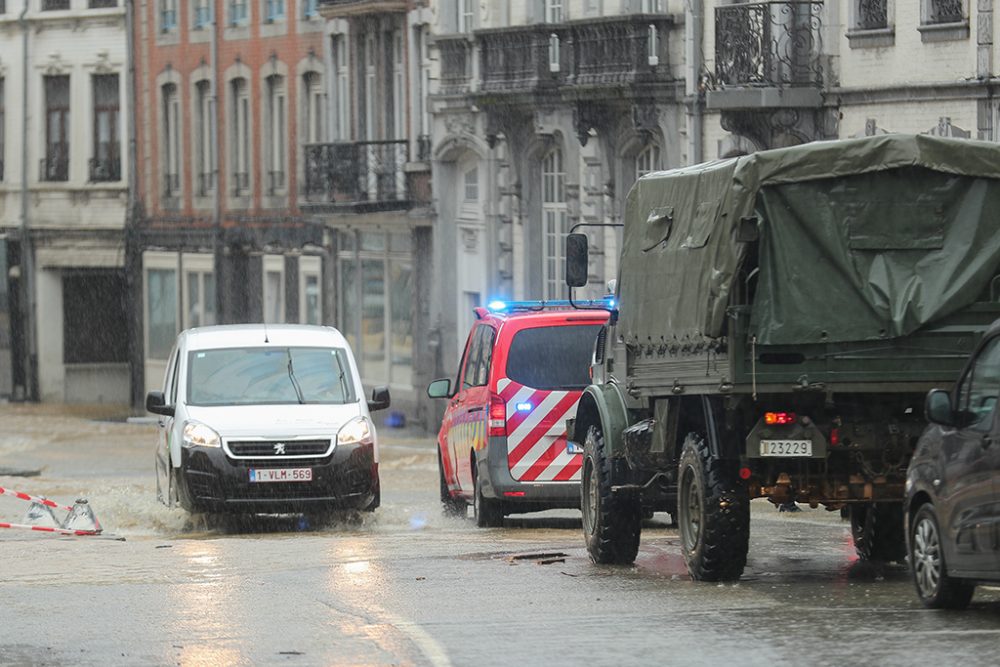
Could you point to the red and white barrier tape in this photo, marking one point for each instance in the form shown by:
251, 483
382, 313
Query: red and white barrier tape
46, 529
34, 499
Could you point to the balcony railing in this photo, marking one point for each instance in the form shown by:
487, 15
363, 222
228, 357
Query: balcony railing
769, 44
105, 169
55, 167
946, 11
355, 173
523, 58
873, 14
456, 64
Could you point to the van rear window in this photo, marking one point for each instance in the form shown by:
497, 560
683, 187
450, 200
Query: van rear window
552, 357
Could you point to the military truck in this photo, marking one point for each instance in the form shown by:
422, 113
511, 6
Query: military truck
780, 317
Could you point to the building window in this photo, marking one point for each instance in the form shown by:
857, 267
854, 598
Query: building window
341, 88
240, 137
274, 10
313, 107
872, 14
101, 4
54, 5
204, 119
376, 296
274, 289
55, 164
310, 9
274, 114
648, 160
398, 94
554, 222
368, 67
553, 11
204, 14
171, 142
199, 299
472, 184
106, 165
161, 312
168, 15
310, 291
944, 11
466, 15
239, 12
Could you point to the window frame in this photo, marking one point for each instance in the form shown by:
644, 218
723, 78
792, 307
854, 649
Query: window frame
61, 113
112, 110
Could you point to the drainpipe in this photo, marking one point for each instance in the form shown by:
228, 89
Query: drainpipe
218, 248
27, 249
133, 247
693, 27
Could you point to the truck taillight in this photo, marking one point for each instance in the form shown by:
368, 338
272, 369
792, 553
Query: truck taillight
834, 437
498, 417
779, 418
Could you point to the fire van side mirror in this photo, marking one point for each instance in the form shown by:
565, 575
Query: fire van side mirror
938, 408
157, 404
439, 388
577, 259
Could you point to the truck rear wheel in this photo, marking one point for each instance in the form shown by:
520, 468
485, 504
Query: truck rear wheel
611, 523
714, 514
878, 532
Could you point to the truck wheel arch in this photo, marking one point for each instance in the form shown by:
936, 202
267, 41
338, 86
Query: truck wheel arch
602, 406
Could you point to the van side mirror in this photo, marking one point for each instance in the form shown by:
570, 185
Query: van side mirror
439, 388
577, 259
157, 404
938, 408
380, 399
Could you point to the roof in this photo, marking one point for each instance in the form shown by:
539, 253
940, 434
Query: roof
260, 335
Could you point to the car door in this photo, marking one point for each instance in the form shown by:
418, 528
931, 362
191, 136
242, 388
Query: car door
970, 460
452, 427
164, 427
471, 407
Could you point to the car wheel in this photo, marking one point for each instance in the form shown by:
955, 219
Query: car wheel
489, 512
451, 506
612, 523
713, 509
935, 588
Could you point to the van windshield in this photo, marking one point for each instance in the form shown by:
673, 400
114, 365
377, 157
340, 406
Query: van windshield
552, 357
269, 376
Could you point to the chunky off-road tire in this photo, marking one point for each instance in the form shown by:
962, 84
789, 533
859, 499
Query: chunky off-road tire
489, 511
935, 588
878, 531
612, 523
713, 508
451, 506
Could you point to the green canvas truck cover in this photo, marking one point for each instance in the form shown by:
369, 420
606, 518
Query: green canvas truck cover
860, 239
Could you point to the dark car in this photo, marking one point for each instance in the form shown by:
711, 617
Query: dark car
953, 485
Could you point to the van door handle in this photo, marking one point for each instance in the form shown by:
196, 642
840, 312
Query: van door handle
479, 409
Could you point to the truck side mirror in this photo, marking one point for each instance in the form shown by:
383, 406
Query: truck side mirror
577, 259
938, 408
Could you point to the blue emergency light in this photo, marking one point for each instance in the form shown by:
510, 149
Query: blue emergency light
510, 306
523, 407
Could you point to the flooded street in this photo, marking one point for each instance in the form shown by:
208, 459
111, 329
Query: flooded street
409, 586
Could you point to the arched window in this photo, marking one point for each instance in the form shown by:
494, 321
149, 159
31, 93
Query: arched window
647, 160
554, 222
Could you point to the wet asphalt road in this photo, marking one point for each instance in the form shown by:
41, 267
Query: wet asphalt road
411, 587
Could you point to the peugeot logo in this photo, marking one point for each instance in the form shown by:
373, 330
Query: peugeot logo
279, 448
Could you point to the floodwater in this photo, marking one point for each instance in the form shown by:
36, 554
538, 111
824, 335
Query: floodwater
409, 586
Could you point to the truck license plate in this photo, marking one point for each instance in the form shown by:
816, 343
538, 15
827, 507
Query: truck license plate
281, 474
786, 448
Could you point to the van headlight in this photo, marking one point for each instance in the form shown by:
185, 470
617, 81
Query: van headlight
356, 431
197, 434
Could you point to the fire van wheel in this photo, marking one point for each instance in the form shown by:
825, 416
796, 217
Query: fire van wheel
489, 512
451, 506
713, 514
612, 524
878, 531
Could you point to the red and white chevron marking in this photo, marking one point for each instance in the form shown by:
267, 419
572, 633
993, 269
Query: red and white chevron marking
46, 529
33, 499
536, 439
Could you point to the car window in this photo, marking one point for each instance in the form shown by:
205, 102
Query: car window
977, 395
552, 357
269, 376
173, 370
474, 358
486, 356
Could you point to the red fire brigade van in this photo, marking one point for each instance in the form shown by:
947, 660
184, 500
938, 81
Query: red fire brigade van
502, 443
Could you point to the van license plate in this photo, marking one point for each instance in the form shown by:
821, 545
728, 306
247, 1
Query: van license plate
786, 448
573, 447
281, 474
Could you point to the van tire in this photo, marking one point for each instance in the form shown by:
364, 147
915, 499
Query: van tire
451, 506
612, 523
489, 512
713, 513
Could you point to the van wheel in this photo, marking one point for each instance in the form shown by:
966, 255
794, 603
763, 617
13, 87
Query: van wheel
936, 589
878, 531
451, 506
489, 512
713, 509
612, 524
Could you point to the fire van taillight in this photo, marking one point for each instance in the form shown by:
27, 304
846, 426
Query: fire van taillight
498, 417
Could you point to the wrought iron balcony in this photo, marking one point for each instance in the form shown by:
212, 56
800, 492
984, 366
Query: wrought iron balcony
456, 64
55, 167
770, 44
615, 51
363, 173
522, 59
105, 169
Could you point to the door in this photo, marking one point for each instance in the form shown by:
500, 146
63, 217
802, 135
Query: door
970, 459
164, 428
451, 427
469, 406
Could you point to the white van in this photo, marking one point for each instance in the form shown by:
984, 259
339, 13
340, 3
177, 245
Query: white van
268, 418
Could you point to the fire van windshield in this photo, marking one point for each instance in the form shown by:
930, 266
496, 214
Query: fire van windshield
552, 357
